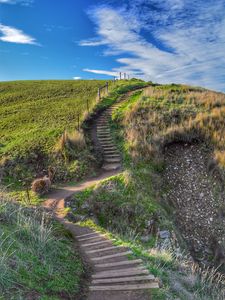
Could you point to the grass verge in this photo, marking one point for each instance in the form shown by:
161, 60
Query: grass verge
38, 260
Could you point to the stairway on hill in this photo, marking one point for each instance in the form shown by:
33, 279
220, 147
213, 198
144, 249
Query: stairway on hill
111, 156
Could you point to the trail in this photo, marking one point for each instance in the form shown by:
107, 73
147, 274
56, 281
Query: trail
113, 275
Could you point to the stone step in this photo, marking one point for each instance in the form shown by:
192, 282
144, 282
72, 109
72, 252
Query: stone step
97, 243
120, 274
151, 285
112, 255
104, 249
120, 263
123, 279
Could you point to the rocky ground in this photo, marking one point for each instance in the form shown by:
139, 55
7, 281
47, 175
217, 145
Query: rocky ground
197, 201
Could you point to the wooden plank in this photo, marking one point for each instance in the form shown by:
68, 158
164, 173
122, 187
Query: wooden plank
98, 236
87, 234
104, 249
128, 287
121, 274
112, 255
97, 243
123, 279
117, 271
120, 263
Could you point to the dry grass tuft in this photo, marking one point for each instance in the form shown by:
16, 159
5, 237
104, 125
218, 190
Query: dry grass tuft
70, 144
165, 114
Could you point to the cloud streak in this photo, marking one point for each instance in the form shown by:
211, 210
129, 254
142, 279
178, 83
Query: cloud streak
183, 40
14, 35
102, 72
21, 2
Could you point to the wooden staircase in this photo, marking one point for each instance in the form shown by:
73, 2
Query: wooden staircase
111, 156
114, 270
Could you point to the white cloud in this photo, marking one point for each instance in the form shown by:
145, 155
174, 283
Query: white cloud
183, 42
14, 35
92, 42
21, 2
77, 78
102, 72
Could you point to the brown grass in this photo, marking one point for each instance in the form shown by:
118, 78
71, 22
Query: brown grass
70, 144
165, 114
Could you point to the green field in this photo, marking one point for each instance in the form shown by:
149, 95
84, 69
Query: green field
34, 114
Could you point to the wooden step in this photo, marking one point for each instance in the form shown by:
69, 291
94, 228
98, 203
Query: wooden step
110, 167
143, 286
92, 238
123, 279
104, 249
97, 243
111, 156
120, 263
121, 274
104, 138
112, 255
87, 234
111, 151
117, 272
112, 160
104, 135
100, 132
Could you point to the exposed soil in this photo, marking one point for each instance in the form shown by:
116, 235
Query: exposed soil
197, 201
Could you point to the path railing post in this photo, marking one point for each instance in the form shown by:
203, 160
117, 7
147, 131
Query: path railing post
107, 87
78, 122
87, 106
99, 93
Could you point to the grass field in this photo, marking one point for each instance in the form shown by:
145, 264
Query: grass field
34, 115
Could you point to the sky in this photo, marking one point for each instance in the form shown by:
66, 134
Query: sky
179, 41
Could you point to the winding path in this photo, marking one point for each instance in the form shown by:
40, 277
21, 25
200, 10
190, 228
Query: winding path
115, 273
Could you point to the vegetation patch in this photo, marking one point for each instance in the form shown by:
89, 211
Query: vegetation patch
35, 115
130, 205
38, 260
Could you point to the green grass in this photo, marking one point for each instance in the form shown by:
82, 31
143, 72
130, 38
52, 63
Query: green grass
35, 114
37, 256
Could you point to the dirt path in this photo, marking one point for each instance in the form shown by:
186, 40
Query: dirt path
113, 275
197, 201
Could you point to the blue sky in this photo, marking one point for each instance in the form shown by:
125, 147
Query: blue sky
180, 41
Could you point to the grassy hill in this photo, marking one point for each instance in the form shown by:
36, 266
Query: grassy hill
34, 115
133, 206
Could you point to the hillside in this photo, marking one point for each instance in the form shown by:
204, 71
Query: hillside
167, 203
163, 204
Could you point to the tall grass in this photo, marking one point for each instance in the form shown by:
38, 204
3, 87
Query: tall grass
35, 256
165, 115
